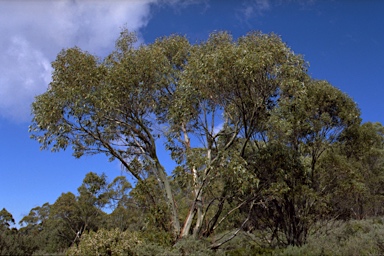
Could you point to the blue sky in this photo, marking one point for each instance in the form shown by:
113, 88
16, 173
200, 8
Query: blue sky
342, 40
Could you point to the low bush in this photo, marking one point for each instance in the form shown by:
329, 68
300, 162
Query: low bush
106, 242
355, 237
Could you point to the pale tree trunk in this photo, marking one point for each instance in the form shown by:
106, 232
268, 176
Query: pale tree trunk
162, 176
198, 196
198, 204
192, 211
188, 221
169, 197
196, 207
199, 183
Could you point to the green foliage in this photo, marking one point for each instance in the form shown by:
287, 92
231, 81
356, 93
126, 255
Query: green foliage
6, 219
106, 242
191, 246
259, 145
13, 242
289, 205
362, 237
153, 249
352, 172
245, 243
36, 217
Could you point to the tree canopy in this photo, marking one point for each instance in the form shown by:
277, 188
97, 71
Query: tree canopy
251, 133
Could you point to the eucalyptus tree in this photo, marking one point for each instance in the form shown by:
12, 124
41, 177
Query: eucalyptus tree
357, 185
13, 242
214, 104
303, 129
6, 219
39, 229
76, 214
312, 119
104, 107
223, 100
36, 218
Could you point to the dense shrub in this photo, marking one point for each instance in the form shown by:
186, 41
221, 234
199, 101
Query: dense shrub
356, 237
191, 246
106, 242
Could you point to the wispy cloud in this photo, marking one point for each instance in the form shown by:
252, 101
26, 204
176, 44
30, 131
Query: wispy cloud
183, 3
254, 8
33, 32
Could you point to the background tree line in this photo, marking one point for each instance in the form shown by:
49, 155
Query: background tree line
260, 147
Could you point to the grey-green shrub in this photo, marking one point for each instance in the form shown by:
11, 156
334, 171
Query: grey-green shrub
106, 242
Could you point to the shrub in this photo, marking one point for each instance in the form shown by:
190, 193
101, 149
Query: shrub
106, 242
356, 237
191, 246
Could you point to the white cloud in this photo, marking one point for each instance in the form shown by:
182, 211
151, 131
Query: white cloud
255, 8
25, 71
262, 5
218, 128
33, 32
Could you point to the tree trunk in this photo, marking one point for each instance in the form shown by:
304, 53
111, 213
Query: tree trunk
199, 209
169, 198
195, 207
